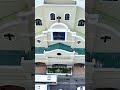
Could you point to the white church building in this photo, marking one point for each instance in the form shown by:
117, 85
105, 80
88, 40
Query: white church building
60, 39
60, 44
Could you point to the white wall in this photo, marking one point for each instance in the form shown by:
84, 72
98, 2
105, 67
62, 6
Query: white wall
21, 41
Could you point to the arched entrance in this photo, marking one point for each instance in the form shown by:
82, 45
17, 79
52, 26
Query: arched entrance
78, 69
40, 68
11, 87
79, 64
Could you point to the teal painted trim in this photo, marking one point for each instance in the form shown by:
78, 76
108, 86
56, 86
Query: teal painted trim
13, 57
108, 60
59, 46
10, 59
80, 51
40, 50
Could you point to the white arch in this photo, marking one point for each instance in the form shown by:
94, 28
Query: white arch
80, 38
12, 24
107, 27
12, 84
59, 26
38, 36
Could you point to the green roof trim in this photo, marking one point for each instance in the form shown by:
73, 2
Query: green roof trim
13, 57
40, 50
108, 60
59, 46
80, 51
10, 59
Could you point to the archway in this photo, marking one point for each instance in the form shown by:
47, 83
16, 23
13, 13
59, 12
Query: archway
40, 68
57, 26
78, 69
79, 64
11, 87
59, 31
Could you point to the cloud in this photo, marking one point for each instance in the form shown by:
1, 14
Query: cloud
38, 2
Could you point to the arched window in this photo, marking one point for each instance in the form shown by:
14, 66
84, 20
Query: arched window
52, 16
81, 22
38, 22
67, 16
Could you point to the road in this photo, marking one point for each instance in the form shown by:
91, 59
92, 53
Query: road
68, 83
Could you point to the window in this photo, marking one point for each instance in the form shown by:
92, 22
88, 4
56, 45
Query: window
38, 41
81, 22
58, 35
59, 54
38, 22
67, 16
78, 42
52, 16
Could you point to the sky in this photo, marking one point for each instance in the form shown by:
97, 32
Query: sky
81, 3
38, 2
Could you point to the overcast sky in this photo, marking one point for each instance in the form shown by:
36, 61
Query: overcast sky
38, 2
81, 3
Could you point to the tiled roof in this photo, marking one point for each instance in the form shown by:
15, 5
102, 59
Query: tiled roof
108, 60
11, 57
59, 46
39, 50
79, 51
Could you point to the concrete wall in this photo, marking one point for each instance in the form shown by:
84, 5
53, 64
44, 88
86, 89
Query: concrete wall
106, 78
20, 30
43, 13
94, 31
18, 75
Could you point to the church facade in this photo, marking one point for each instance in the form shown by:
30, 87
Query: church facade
102, 45
60, 55
60, 42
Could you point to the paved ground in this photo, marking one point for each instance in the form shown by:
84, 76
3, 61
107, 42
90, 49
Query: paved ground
68, 83
63, 87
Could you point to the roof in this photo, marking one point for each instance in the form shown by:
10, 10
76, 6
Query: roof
11, 57
59, 46
108, 59
80, 51
40, 50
